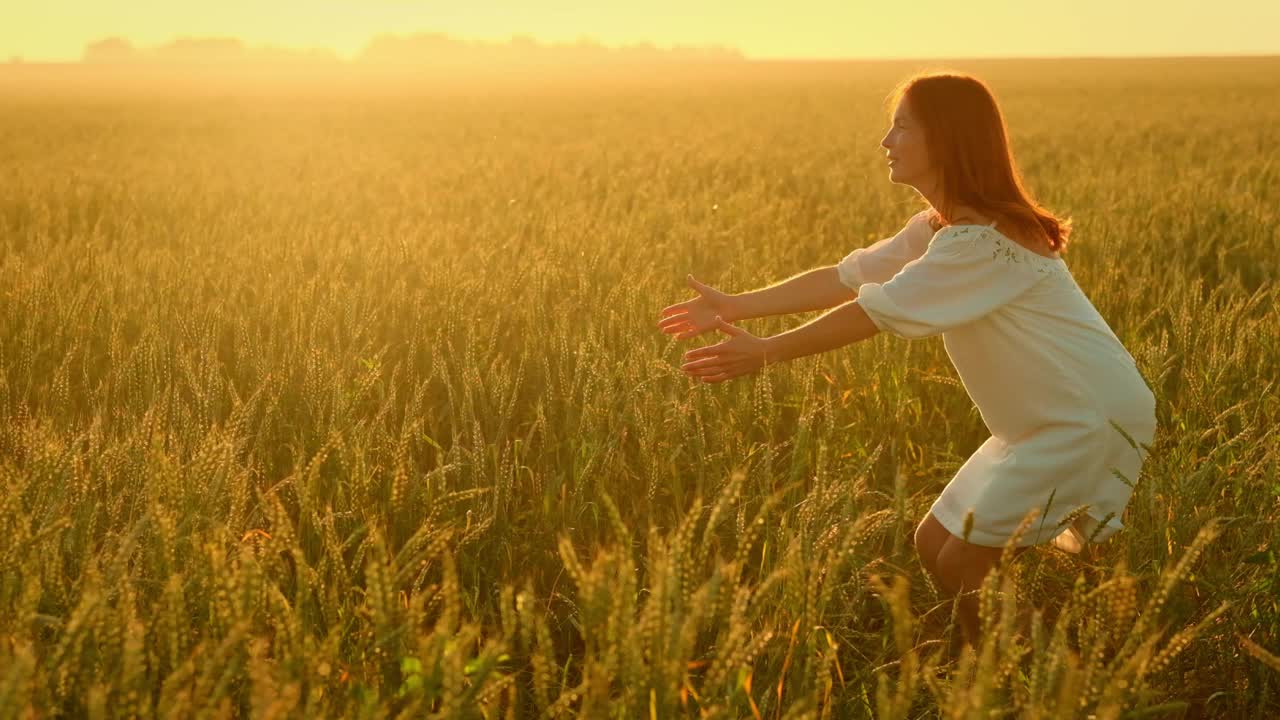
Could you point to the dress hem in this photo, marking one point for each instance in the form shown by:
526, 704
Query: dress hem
955, 525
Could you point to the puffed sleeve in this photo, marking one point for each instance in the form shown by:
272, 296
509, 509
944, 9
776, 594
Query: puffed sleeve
955, 282
884, 258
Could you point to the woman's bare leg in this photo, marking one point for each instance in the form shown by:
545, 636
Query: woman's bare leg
961, 569
929, 539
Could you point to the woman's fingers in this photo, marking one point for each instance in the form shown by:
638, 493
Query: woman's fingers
714, 361
709, 373
676, 317
721, 376
705, 351
674, 325
677, 308
732, 367
708, 369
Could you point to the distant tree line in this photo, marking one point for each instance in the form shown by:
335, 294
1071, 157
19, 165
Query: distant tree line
427, 48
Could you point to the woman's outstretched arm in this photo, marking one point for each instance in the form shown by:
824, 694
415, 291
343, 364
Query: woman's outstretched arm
744, 353
816, 289
846, 324
827, 287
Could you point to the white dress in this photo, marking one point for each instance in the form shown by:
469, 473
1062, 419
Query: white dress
1050, 379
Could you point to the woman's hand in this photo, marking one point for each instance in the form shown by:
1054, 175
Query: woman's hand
741, 354
696, 316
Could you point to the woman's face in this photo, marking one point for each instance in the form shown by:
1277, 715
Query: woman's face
904, 143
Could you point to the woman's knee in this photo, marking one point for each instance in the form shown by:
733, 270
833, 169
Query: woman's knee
929, 538
947, 568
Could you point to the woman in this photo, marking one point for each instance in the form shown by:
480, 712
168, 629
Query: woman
980, 266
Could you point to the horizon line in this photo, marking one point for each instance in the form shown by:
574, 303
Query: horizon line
337, 60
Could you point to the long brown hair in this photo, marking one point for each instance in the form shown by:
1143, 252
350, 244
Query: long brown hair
968, 144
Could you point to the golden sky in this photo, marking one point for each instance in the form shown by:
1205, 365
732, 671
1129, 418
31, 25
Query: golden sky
53, 30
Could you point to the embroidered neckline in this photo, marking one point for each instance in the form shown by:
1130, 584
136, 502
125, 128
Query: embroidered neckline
1005, 248
1001, 236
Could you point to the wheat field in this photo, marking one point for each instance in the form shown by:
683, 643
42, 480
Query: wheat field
344, 397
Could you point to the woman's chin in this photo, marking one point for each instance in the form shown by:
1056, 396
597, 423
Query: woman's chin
898, 178
903, 183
